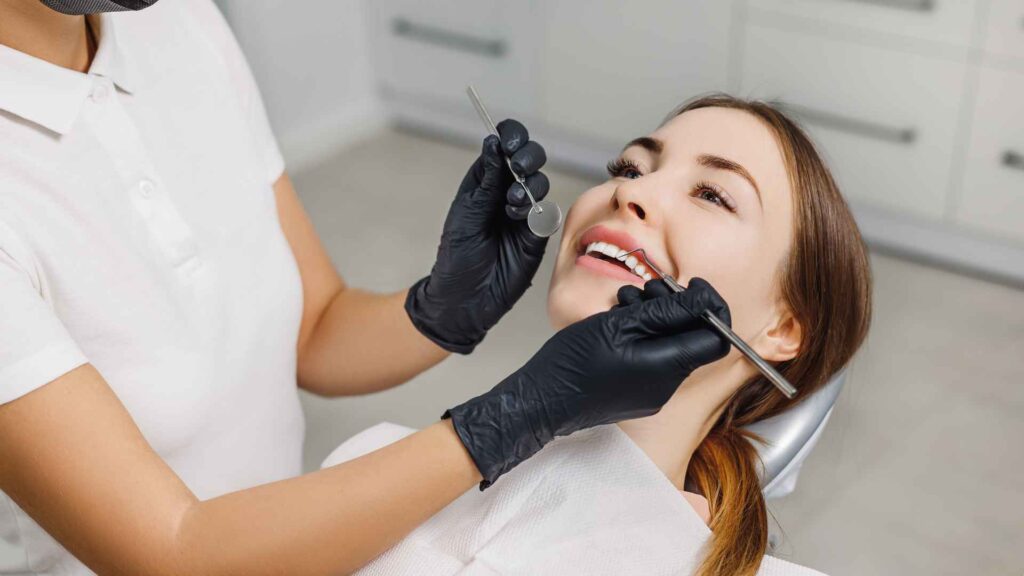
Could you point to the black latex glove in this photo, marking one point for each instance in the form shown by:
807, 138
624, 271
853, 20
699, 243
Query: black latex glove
617, 365
488, 256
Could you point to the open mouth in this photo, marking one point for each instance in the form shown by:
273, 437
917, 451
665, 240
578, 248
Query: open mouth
606, 251
617, 256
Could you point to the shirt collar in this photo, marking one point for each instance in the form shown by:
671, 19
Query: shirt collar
112, 60
51, 95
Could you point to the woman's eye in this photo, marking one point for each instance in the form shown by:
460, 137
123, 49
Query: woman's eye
624, 169
709, 193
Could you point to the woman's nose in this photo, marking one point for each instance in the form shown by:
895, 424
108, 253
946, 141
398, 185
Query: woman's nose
629, 197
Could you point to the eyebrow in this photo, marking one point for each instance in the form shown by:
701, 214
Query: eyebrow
647, 143
655, 146
719, 163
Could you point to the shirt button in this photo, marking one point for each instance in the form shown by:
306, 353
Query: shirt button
99, 92
146, 188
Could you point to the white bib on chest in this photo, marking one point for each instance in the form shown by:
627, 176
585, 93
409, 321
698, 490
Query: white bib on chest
592, 503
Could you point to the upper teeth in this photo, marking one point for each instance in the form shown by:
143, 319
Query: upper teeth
613, 251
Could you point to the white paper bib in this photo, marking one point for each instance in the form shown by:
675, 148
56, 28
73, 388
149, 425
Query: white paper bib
591, 503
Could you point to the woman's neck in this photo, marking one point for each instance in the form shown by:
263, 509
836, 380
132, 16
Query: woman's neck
36, 30
670, 437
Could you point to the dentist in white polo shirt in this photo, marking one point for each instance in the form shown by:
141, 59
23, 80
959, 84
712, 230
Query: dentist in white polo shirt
163, 296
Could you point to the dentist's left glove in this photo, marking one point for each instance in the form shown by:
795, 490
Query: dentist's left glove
487, 256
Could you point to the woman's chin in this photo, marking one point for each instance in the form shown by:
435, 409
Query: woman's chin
568, 303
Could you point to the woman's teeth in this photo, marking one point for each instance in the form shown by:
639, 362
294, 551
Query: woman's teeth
613, 251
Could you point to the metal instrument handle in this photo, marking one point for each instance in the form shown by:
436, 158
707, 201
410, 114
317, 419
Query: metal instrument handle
767, 369
482, 112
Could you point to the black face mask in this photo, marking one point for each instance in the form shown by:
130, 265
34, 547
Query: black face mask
96, 6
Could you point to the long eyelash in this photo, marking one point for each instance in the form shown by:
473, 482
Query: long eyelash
705, 186
619, 166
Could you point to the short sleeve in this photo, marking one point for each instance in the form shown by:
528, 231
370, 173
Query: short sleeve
35, 347
244, 85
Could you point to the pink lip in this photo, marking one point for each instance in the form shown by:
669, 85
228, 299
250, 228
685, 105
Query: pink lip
619, 238
602, 234
606, 268
603, 267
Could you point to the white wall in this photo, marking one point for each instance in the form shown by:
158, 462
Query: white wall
312, 62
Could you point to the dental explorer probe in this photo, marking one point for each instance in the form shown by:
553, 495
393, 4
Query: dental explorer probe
545, 217
767, 369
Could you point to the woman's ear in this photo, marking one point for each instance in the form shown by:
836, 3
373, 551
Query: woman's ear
782, 340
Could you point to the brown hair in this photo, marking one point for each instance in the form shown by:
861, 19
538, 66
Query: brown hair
826, 282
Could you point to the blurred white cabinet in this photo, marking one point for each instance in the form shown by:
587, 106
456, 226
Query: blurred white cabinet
992, 196
943, 21
611, 71
885, 119
1005, 32
428, 52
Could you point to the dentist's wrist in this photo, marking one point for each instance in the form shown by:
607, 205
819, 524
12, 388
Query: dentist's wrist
427, 317
498, 429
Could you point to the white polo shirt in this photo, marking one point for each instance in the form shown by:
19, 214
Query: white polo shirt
138, 232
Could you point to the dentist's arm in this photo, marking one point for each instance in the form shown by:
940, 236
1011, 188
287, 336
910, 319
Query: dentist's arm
73, 459
353, 341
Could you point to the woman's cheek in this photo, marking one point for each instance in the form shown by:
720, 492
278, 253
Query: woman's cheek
587, 208
571, 297
737, 281
583, 212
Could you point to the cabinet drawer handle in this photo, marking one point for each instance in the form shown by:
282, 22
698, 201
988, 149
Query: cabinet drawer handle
1013, 159
852, 125
914, 5
448, 38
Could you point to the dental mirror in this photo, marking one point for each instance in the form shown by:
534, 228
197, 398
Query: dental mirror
545, 217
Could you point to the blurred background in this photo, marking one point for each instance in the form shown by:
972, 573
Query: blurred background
917, 104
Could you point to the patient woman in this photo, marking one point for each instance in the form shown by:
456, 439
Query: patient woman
725, 190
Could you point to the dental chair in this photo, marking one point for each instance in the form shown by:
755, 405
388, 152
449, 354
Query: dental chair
791, 436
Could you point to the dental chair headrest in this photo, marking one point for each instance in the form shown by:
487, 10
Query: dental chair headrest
791, 436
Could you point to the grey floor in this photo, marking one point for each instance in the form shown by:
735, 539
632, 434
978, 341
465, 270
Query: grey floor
921, 471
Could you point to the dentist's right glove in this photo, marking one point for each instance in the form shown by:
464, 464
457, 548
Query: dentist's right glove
612, 366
